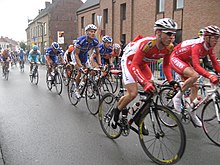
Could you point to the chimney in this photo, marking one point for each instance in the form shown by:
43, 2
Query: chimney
47, 4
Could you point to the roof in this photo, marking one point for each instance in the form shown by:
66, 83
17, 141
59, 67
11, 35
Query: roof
47, 10
88, 4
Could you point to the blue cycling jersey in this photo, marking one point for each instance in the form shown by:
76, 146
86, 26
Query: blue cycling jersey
105, 53
21, 55
34, 55
53, 55
84, 46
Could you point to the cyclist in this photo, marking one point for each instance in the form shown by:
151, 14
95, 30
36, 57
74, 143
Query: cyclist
54, 55
80, 54
115, 54
67, 58
105, 50
21, 57
136, 57
34, 56
189, 69
5, 58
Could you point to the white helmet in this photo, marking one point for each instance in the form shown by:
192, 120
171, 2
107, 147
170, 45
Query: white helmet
116, 46
165, 24
106, 39
212, 30
90, 27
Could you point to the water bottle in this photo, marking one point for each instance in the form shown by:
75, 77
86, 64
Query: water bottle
135, 107
195, 101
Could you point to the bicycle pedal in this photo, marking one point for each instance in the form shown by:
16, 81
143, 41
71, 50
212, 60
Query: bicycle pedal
125, 132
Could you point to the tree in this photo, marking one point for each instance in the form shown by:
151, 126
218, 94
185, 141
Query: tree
23, 45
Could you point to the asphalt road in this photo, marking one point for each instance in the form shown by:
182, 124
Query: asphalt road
39, 127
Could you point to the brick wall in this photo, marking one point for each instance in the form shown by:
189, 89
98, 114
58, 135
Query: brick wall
141, 15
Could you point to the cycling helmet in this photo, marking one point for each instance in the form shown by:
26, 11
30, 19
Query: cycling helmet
106, 39
116, 46
201, 32
212, 31
55, 45
90, 27
165, 24
70, 48
35, 47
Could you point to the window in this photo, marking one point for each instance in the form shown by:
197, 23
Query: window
178, 4
123, 11
93, 18
82, 22
160, 6
105, 16
45, 28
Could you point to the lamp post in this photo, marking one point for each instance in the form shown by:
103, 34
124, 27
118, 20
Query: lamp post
42, 35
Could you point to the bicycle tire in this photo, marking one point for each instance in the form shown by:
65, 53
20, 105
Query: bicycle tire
36, 77
105, 114
165, 97
48, 82
58, 82
167, 144
71, 90
115, 84
7, 74
65, 77
210, 123
105, 86
92, 97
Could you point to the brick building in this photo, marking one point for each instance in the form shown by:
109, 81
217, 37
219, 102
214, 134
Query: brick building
58, 16
124, 19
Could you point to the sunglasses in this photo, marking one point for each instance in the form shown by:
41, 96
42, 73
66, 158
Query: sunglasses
215, 37
169, 33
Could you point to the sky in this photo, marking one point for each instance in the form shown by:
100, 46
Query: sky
14, 16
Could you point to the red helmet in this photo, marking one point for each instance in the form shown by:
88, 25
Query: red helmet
212, 31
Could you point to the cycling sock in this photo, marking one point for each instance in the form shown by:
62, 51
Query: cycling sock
116, 115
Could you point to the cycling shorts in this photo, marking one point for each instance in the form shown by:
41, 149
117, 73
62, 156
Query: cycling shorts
127, 73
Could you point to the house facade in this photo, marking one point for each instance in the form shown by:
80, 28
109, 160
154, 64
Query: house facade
56, 22
124, 19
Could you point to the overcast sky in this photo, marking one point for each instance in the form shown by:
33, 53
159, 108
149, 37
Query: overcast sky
14, 15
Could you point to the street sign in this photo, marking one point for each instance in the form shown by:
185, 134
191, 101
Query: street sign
60, 37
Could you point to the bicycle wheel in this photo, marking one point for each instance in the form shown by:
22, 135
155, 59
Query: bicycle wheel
115, 83
92, 97
64, 77
31, 78
71, 88
105, 86
35, 77
105, 113
210, 123
49, 82
7, 74
58, 83
163, 145
165, 96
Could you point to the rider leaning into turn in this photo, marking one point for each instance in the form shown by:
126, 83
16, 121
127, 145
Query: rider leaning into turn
136, 57
5, 58
80, 54
181, 61
21, 56
105, 50
54, 55
34, 56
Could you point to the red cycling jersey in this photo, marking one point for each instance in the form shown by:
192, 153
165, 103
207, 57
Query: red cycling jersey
189, 53
140, 53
